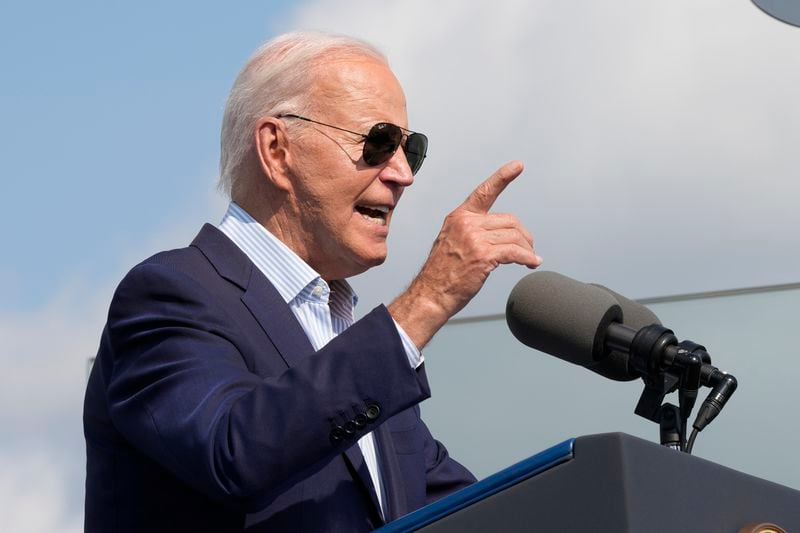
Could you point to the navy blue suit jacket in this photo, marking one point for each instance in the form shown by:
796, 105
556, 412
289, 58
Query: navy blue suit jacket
208, 410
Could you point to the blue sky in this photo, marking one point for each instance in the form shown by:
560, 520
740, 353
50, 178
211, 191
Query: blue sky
660, 144
111, 113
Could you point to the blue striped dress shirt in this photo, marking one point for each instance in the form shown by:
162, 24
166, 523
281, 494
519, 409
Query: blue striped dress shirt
324, 310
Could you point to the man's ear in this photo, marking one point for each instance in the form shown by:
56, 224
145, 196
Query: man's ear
272, 148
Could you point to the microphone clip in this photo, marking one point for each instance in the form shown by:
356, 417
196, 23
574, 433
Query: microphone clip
649, 356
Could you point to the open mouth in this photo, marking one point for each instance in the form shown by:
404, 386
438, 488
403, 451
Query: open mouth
375, 214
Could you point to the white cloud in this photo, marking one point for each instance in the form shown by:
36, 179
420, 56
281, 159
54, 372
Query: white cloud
44, 369
33, 493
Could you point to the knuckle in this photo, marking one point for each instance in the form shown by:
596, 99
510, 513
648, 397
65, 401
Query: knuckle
462, 224
473, 242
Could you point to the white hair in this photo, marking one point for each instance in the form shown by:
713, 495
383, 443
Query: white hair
276, 80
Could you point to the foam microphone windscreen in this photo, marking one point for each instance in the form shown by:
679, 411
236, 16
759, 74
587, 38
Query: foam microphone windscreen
561, 316
635, 316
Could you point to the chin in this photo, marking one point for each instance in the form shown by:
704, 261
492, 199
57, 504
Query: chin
373, 261
378, 261
367, 262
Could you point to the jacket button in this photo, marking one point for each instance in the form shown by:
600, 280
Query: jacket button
373, 412
349, 429
360, 420
337, 434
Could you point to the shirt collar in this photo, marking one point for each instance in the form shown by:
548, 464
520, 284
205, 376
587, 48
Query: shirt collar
290, 275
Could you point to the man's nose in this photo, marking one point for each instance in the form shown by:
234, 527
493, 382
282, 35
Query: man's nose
398, 170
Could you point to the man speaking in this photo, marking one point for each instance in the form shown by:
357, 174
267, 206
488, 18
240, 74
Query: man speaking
233, 389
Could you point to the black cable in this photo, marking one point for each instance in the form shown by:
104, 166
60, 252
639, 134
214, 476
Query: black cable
690, 444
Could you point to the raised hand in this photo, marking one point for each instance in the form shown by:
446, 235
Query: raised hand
470, 245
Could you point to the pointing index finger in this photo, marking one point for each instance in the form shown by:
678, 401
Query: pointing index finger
483, 197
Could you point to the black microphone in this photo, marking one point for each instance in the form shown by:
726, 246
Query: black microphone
594, 327
584, 324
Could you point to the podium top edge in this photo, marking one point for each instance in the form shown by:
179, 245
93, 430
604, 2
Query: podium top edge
484, 488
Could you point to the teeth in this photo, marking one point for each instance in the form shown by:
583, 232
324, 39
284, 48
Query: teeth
374, 220
382, 208
374, 214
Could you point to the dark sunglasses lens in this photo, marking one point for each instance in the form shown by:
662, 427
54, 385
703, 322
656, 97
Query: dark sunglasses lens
416, 148
382, 141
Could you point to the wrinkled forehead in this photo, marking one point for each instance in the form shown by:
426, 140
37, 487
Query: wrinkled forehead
358, 87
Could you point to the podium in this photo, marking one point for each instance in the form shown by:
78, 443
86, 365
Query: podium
610, 482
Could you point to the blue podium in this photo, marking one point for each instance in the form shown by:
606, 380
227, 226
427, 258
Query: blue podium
610, 482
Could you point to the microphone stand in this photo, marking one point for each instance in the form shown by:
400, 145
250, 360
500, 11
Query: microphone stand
671, 427
665, 366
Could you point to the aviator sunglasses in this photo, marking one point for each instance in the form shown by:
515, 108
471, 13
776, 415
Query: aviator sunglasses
382, 142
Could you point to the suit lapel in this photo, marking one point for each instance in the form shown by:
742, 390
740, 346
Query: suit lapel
259, 296
275, 318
